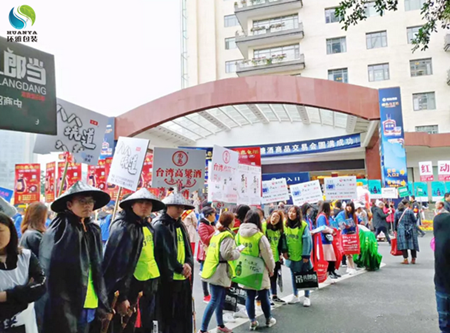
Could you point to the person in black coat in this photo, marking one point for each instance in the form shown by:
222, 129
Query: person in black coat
129, 265
71, 255
379, 220
175, 262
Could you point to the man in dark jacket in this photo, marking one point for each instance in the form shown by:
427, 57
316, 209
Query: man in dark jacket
447, 202
71, 255
129, 265
441, 231
175, 262
379, 220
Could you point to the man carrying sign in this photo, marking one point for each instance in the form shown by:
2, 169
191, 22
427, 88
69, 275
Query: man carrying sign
175, 261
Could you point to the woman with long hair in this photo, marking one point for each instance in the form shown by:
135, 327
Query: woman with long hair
300, 245
306, 214
348, 221
257, 245
323, 220
33, 226
22, 281
274, 231
241, 212
217, 270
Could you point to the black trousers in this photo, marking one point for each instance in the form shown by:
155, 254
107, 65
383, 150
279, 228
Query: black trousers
274, 278
384, 230
413, 254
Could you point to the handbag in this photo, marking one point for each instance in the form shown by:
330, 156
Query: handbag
394, 250
350, 243
338, 250
319, 263
329, 237
306, 280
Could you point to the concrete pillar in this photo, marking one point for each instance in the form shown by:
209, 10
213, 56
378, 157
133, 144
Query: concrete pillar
373, 161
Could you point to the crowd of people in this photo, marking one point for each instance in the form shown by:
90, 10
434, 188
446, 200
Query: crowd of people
132, 272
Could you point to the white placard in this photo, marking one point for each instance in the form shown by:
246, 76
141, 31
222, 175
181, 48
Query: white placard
426, 171
127, 163
275, 190
340, 188
179, 168
248, 185
389, 193
222, 184
80, 132
444, 170
309, 192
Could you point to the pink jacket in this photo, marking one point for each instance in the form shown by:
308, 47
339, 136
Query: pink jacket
390, 217
205, 231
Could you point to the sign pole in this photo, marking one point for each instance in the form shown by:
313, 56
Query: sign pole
61, 186
116, 206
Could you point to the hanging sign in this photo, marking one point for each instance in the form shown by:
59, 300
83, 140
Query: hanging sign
50, 178
444, 170
426, 171
341, 188
374, 186
27, 187
309, 192
222, 182
274, 191
389, 193
74, 174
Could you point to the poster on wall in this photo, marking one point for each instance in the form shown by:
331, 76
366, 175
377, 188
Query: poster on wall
374, 187
444, 170
27, 187
248, 185
274, 191
341, 188
426, 171
437, 191
421, 191
74, 174
96, 176
392, 150
309, 192
50, 179
222, 182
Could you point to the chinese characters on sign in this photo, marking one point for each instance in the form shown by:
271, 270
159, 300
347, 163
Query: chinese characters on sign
341, 188
274, 191
309, 192
222, 182
74, 174
249, 155
127, 162
27, 84
96, 176
426, 171
249, 185
27, 187
6, 194
389, 193
50, 177
444, 170
80, 132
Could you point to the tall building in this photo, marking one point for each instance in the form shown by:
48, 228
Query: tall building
303, 37
16, 148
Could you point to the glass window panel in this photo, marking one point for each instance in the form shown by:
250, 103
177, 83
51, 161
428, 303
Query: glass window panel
338, 75
424, 101
370, 9
376, 39
230, 43
336, 45
421, 67
275, 24
412, 32
230, 66
235, 115
330, 15
430, 129
413, 4
378, 72
230, 21
203, 122
291, 52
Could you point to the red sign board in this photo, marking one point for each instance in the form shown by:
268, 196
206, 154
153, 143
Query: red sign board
97, 176
27, 188
50, 177
73, 175
249, 155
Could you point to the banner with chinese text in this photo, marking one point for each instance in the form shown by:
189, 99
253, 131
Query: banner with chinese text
249, 185
27, 188
249, 155
309, 192
274, 191
222, 182
96, 176
444, 170
73, 175
426, 171
341, 188
392, 150
50, 178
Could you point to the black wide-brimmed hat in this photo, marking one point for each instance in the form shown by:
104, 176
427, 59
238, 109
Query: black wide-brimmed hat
7, 208
177, 200
143, 194
82, 189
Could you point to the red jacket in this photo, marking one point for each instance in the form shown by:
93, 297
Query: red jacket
205, 230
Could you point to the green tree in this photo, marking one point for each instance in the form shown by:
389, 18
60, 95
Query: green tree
435, 13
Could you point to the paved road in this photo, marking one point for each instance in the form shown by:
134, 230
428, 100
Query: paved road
398, 298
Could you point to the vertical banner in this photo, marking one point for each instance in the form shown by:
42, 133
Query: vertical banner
96, 176
426, 171
27, 187
444, 170
50, 177
421, 191
437, 190
73, 175
392, 150
374, 186
222, 182
249, 155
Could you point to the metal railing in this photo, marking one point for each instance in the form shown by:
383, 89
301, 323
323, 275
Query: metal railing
280, 59
254, 3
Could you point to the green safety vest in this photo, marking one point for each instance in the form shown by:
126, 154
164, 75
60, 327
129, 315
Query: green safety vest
294, 237
91, 301
146, 268
274, 237
181, 255
213, 255
251, 244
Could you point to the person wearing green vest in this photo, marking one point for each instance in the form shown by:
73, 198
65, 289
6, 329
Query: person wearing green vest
300, 245
257, 245
217, 270
71, 256
129, 264
175, 262
274, 230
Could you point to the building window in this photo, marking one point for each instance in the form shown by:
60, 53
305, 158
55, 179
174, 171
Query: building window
338, 75
231, 21
336, 45
421, 67
378, 72
275, 24
424, 101
230, 66
430, 129
230, 43
413, 4
376, 39
370, 9
412, 33
290, 52
330, 15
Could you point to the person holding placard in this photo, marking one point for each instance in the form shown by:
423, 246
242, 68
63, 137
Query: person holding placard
274, 230
406, 227
255, 244
300, 245
325, 220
